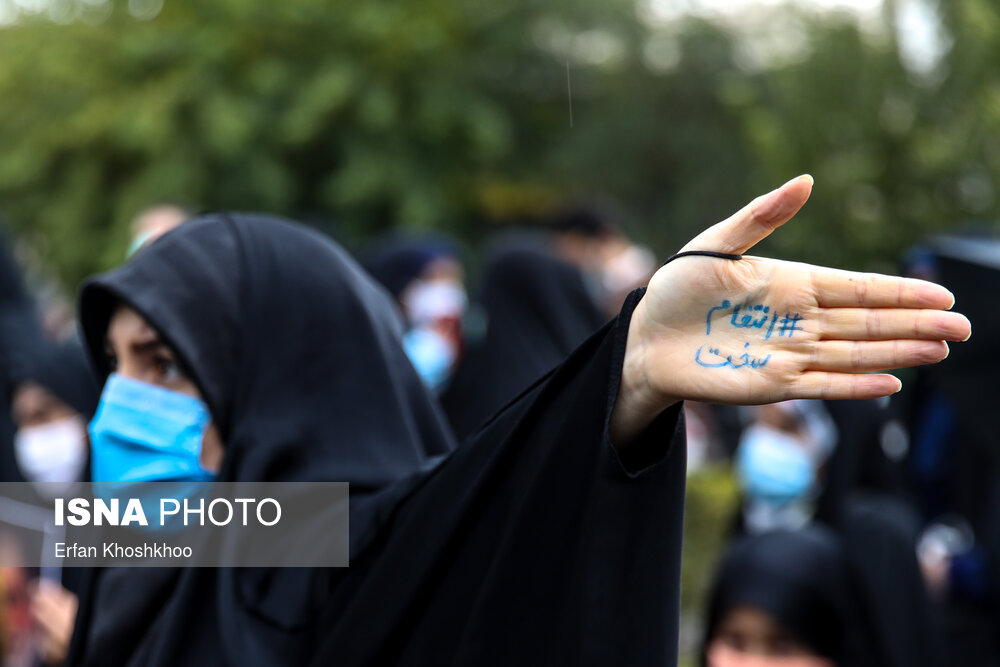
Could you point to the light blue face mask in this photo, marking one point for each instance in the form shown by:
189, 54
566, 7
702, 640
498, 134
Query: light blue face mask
143, 433
431, 355
773, 467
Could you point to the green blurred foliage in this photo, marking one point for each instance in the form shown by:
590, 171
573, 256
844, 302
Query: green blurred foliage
710, 508
454, 114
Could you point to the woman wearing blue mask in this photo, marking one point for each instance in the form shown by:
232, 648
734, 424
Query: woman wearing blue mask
240, 350
295, 362
426, 278
778, 463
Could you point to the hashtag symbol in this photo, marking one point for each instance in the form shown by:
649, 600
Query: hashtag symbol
789, 325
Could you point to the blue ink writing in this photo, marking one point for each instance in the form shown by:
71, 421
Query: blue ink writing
788, 325
708, 318
770, 329
757, 316
742, 360
747, 320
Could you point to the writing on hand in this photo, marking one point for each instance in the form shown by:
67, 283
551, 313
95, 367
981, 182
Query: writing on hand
757, 317
715, 359
747, 315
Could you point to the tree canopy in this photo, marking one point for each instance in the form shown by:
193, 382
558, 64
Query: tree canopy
458, 114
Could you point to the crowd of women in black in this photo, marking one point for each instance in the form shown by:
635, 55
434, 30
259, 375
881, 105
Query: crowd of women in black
516, 458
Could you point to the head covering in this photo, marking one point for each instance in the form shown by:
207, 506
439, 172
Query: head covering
586, 219
19, 325
879, 535
398, 261
297, 354
294, 348
858, 460
851, 591
538, 310
63, 370
799, 578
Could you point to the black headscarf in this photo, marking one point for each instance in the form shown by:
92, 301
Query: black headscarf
397, 261
879, 535
63, 370
799, 578
538, 309
852, 591
858, 460
296, 352
19, 326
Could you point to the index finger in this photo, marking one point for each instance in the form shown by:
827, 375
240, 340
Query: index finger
834, 288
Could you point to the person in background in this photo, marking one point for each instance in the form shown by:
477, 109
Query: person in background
426, 278
822, 597
952, 464
54, 395
866, 456
20, 326
537, 309
783, 599
778, 464
153, 222
585, 235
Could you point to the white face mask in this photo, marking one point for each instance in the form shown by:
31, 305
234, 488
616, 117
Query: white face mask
53, 452
427, 301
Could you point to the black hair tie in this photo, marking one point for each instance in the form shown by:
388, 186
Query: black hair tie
703, 253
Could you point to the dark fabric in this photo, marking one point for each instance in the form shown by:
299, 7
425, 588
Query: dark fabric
800, 579
398, 261
954, 459
61, 369
954, 463
536, 546
858, 461
19, 326
851, 589
968, 379
296, 351
530, 541
538, 310
879, 534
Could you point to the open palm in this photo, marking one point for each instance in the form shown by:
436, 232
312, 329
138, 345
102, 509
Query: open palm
760, 330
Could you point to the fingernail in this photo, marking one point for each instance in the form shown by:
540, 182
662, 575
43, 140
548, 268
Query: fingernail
801, 177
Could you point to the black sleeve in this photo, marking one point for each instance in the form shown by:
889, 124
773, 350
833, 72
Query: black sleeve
534, 543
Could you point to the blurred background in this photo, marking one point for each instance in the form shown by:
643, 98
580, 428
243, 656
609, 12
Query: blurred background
458, 115
464, 117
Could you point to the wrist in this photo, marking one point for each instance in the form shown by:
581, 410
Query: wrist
638, 402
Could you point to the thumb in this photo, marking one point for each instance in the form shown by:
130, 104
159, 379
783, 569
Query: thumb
755, 221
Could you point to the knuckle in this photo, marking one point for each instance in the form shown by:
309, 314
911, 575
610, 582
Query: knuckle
873, 324
857, 355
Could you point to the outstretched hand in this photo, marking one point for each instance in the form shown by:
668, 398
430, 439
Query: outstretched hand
761, 330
